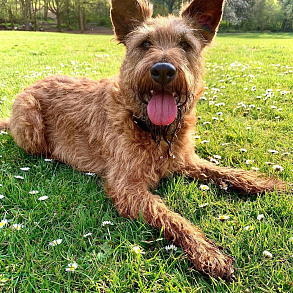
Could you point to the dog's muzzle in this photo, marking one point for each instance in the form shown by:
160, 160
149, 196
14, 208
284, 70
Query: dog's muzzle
162, 107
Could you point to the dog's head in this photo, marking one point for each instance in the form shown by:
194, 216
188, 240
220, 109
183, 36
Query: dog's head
163, 64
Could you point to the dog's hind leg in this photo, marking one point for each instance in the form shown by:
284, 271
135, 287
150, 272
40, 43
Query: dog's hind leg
133, 200
26, 124
248, 181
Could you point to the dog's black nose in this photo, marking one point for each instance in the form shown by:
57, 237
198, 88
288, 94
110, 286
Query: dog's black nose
163, 73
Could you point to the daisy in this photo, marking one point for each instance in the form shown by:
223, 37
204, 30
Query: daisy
55, 242
90, 174
170, 247
137, 250
204, 205
278, 168
223, 186
48, 160
204, 141
249, 162
217, 157
243, 150
44, 197
18, 177
17, 226
24, 168
213, 160
33, 192
273, 152
87, 235
1, 196
223, 217
71, 267
107, 223
260, 217
204, 187
267, 254
3, 223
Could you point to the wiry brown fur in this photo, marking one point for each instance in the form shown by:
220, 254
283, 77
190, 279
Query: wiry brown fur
92, 125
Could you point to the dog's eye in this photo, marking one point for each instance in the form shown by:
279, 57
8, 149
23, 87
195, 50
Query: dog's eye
185, 45
146, 44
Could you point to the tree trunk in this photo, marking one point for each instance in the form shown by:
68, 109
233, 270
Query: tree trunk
59, 28
11, 17
46, 9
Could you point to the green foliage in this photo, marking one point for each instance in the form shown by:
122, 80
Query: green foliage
249, 73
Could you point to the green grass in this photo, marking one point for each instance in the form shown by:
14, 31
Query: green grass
77, 204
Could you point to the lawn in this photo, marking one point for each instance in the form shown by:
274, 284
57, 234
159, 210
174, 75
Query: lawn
53, 216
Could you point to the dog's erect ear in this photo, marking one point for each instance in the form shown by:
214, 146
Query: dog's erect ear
205, 15
126, 15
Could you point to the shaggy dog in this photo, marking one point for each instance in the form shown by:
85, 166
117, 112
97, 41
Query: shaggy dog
137, 128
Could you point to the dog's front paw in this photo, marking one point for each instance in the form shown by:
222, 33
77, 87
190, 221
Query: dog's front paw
209, 260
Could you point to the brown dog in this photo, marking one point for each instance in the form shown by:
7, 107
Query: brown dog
137, 128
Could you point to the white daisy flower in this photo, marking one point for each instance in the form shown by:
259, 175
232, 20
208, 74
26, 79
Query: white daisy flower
24, 169
1, 196
71, 267
137, 250
213, 160
267, 254
260, 217
90, 174
3, 223
223, 186
18, 177
223, 217
107, 223
249, 162
243, 150
48, 160
87, 235
204, 205
33, 192
273, 152
218, 157
278, 168
55, 242
170, 247
44, 197
204, 187
17, 226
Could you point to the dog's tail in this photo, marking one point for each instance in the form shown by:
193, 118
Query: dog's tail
4, 123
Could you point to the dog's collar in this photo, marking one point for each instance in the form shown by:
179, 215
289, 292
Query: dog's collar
141, 123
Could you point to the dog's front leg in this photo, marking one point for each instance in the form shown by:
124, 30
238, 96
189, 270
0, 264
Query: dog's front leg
248, 181
133, 199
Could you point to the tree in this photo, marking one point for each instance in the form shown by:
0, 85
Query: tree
58, 7
25, 8
287, 24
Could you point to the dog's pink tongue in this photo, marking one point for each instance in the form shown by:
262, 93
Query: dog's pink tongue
162, 109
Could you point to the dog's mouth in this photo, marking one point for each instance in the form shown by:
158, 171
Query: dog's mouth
162, 108
162, 113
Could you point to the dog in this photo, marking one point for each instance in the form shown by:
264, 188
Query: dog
137, 128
